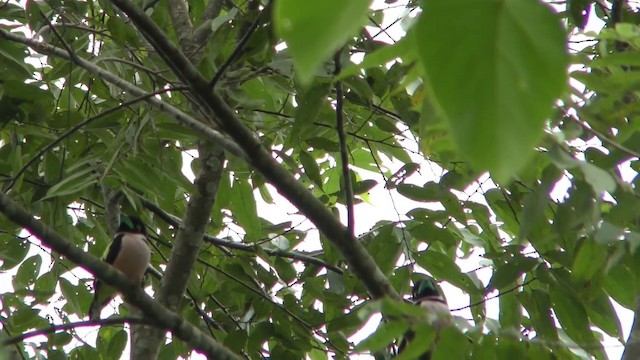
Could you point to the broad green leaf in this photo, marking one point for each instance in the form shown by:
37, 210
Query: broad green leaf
315, 31
27, 272
73, 183
589, 260
311, 168
507, 274
425, 335
603, 315
443, 267
427, 193
599, 179
12, 250
507, 87
26, 318
451, 345
573, 318
538, 305
70, 293
244, 210
117, 344
383, 336
385, 249
309, 104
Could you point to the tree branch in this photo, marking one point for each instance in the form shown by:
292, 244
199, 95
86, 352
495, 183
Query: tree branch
344, 157
359, 260
203, 31
179, 13
187, 244
152, 310
63, 327
295, 255
238, 50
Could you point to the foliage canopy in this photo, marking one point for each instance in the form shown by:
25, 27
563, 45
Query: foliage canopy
102, 103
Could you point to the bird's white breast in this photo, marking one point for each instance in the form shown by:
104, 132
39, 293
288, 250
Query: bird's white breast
437, 313
134, 256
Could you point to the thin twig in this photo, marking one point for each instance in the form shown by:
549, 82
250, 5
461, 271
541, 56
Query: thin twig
237, 51
604, 138
295, 255
344, 156
69, 326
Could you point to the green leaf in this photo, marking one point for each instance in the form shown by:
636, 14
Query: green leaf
315, 31
573, 318
589, 260
12, 250
70, 293
451, 345
243, 206
507, 274
385, 249
443, 267
508, 87
27, 272
383, 336
361, 187
599, 179
309, 104
73, 183
311, 168
428, 193
117, 344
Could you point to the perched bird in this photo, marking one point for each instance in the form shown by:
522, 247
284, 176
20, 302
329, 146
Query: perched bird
425, 293
129, 252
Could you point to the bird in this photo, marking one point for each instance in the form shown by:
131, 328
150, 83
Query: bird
425, 294
130, 254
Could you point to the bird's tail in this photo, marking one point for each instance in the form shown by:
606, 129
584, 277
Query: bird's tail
94, 311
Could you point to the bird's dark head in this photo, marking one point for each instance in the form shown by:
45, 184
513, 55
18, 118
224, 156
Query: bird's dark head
132, 224
424, 288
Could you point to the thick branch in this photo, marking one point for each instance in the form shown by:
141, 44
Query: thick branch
360, 261
187, 244
152, 310
211, 12
179, 13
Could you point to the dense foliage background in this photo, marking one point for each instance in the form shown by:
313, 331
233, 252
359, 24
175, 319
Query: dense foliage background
500, 105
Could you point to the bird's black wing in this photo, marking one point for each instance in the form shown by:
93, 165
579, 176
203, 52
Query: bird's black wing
114, 249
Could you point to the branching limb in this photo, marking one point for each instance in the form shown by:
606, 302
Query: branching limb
357, 257
152, 310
